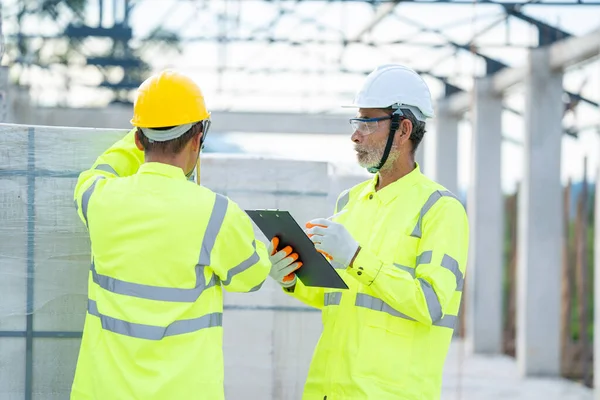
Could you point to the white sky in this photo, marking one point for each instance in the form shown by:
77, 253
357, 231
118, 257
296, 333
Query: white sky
315, 91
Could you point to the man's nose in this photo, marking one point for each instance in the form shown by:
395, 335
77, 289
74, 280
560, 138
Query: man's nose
356, 137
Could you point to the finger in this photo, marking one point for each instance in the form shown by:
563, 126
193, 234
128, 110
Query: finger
289, 268
274, 243
317, 230
318, 221
289, 278
327, 256
277, 257
293, 257
287, 250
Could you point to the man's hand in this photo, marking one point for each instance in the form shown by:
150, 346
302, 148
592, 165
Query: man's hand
332, 239
283, 264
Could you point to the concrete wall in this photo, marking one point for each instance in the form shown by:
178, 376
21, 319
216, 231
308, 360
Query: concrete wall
44, 262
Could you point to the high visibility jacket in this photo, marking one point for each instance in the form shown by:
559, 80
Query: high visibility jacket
387, 336
162, 250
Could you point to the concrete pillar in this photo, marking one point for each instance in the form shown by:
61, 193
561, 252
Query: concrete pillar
596, 338
3, 94
485, 209
445, 161
540, 223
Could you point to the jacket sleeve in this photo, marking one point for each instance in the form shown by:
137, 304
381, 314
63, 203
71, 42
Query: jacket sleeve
426, 293
240, 260
121, 159
314, 296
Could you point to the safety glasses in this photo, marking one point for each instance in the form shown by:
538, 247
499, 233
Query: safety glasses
367, 126
205, 129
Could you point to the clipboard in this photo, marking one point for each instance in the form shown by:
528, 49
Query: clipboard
316, 271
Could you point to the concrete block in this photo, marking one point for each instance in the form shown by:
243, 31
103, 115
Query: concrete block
54, 367
13, 252
295, 336
247, 347
12, 368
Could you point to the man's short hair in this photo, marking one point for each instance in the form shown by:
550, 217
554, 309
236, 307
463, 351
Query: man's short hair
169, 147
418, 127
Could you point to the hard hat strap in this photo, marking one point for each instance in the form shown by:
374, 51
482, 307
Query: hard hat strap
164, 135
394, 125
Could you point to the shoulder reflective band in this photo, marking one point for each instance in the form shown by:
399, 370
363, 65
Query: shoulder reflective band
433, 198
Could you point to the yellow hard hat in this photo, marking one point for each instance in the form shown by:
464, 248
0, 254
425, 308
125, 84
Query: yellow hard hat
168, 98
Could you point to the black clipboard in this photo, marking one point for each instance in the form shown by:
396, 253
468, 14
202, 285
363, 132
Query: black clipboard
316, 270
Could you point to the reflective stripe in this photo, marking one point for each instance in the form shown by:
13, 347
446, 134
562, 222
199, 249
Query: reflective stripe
152, 332
410, 270
433, 198
343, 200
160, 293
212, 230
332, 299
452, 265
433, 303
107, 168
449, 321
425, 257
76, 205
85, 198
373, 303
244, 265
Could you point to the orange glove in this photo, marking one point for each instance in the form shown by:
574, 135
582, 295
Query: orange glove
283, 263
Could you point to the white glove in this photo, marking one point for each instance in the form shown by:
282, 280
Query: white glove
283, 264
333, 240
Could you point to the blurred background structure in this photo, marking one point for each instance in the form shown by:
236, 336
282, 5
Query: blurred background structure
517, 85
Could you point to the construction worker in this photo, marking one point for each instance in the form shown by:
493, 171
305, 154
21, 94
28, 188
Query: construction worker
400, 242
163, 248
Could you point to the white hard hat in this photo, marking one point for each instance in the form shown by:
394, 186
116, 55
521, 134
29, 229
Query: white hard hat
393, 84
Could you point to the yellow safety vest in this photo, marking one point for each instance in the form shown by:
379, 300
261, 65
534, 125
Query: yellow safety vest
162, 250
387, 336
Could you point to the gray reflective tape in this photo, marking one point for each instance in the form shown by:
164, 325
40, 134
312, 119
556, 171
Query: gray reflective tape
76, 205
151, 332
449, 321
452, 265
332, 299
212, 230
184, 295
343, 200
107, 168
244, 265
257, 287
150, 292
85, 198
433, 303
424, 257
433, 198
410, 270
373, 303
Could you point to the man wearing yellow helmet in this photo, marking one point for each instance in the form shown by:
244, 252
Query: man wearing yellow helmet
163, 249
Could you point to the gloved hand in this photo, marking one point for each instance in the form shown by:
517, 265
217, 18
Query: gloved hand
283, 264
333, 240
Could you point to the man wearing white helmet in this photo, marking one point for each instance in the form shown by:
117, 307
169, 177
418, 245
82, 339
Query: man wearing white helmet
399, 241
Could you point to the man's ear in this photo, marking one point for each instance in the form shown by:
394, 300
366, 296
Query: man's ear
196, 141
138, 142
404, 131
